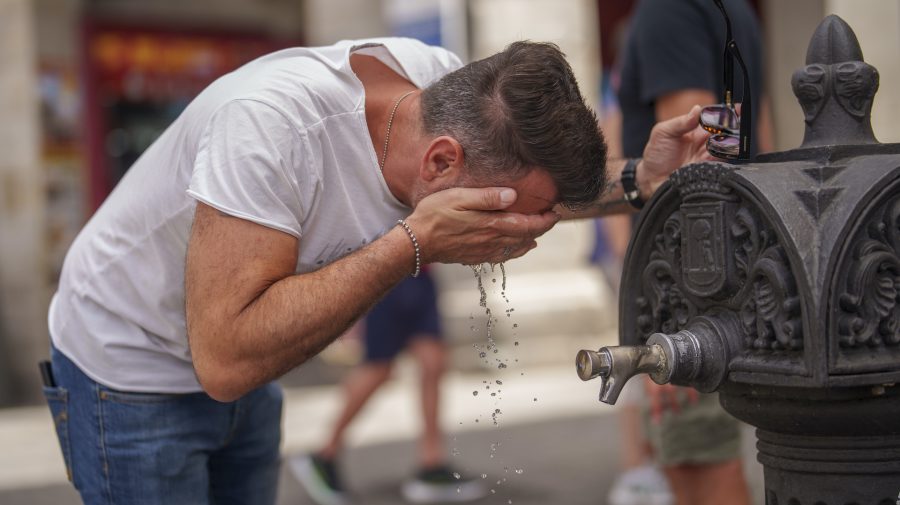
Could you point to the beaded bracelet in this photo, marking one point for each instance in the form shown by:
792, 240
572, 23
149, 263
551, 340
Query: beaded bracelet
412, 236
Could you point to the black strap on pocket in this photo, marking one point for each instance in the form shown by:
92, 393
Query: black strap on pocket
47, 374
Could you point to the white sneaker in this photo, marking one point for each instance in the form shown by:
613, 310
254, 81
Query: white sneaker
645, 485
442, 485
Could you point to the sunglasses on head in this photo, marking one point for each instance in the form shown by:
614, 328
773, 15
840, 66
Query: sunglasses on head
730, 137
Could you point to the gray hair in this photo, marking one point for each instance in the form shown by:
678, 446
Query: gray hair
518, 110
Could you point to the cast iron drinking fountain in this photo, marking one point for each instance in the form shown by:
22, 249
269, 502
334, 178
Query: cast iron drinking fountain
776, 283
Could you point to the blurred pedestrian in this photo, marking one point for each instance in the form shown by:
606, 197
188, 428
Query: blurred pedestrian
673, 59
289, 197
406, 319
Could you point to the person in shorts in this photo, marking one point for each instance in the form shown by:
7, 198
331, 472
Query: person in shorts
406, 319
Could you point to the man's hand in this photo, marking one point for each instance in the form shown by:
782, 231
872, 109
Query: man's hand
673, 143
469, 226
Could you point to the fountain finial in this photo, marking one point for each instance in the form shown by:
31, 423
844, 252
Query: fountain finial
836, 88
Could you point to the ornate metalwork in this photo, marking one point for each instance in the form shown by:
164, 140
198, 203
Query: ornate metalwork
870, 312
777, 283
769, 307
700, 264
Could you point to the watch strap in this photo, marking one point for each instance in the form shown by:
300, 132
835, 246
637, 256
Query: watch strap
629, 183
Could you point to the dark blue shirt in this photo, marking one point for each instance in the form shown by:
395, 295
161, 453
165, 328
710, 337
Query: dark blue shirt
675, 45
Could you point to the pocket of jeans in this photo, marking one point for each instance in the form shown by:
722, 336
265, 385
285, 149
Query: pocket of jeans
58, 401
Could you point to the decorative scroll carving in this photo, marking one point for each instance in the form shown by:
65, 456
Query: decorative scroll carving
770, 310
663, 306
713, 253
770, 313
870, 312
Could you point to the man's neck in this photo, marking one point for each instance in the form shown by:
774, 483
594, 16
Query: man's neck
383, 88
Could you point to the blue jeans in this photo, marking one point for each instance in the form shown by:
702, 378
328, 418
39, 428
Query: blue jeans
137, 448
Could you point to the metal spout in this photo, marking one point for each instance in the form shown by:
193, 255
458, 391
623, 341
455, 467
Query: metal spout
616, 364
696, 356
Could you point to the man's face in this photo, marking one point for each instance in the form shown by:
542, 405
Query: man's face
536, 193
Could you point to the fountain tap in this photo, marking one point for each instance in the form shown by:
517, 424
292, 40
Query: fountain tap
616, 364
695, 356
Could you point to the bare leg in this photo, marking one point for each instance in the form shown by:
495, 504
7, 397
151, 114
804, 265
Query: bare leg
715, 484
359, 386
635, 449
432, 357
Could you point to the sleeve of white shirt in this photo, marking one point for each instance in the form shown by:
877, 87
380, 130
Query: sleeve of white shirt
246, 166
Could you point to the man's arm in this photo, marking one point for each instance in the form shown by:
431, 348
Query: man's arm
250, 319
673, 143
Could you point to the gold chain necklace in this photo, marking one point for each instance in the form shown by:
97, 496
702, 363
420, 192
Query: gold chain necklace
387, 135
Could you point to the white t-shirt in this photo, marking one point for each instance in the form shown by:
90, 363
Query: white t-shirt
281, 141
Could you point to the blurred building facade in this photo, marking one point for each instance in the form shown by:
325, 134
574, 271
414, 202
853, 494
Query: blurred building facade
86, 85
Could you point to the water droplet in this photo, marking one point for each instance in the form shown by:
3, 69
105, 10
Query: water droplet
499, 381
501, 365
520, 471
484, 476
497, 411
516, 343
457, 490
474, 393
493, 394
493, 491
535, 399
496, 351
482, 354
456, 475
515, 325
509, 501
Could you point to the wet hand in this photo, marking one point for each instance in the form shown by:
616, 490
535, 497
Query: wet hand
469, 226
673, 143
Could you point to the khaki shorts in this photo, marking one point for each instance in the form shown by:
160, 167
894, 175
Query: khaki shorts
698, 433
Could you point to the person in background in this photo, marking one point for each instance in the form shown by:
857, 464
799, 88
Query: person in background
673, 59
406, 319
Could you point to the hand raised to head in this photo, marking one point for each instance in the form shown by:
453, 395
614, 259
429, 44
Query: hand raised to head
469, 226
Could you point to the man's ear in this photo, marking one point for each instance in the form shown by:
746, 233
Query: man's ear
443, 158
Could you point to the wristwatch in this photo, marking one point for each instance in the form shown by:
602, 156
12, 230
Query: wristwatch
629, 183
